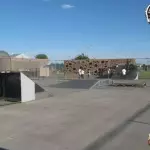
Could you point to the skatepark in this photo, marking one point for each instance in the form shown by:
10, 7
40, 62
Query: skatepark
78, 115
76, 75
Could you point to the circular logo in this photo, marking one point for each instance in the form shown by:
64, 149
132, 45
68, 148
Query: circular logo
148, 14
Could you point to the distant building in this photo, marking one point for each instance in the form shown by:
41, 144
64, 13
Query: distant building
20, 56
21, 62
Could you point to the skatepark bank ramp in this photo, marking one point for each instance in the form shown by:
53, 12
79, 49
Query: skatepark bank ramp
76, 84
98, 84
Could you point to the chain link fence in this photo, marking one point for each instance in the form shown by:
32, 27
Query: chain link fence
32, 68
56, 69
32, 73
143, 65
5, 64
59, 70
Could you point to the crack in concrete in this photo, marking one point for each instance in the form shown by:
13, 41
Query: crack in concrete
102, 141
141, 122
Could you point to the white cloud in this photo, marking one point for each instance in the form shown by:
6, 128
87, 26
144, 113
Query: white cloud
67, 6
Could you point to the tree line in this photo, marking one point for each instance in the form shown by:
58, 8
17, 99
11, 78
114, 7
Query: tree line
78, 57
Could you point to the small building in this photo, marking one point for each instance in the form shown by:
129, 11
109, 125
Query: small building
20, 56
22, 63
33, 67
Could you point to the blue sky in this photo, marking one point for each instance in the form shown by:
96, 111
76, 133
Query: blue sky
65, 28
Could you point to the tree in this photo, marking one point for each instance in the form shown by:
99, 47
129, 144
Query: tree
81, 57
41, 56
132, 67
143, 66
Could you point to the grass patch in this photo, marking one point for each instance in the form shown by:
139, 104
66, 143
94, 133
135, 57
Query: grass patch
144, 75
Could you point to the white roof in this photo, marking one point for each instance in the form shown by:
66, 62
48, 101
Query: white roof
22, 56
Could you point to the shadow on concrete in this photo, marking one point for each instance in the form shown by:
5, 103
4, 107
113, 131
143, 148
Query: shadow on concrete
38, 88
10, 88
103, 140
7, 83
3, 148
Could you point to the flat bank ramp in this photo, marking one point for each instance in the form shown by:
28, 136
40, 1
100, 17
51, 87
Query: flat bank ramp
76, 84
128, 83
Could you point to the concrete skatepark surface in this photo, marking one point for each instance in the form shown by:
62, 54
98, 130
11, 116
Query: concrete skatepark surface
3, 102
77, 119
134, 137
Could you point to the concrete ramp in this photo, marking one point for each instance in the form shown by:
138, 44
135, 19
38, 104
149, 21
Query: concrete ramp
17, 87
41, 92
76, 84
129, 83
38, 88
106, 83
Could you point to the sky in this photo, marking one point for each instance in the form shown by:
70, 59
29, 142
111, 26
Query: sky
63, 29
